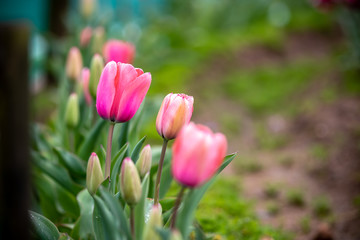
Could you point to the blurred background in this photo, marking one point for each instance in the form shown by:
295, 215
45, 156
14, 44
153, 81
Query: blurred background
279, 77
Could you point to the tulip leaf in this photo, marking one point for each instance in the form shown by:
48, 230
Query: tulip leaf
91, 140
83, 227
167, 203
56, 172
192, 199
102, 221
140, 208
66, 202
165, 234
124, 133
136, 151
44, 228
119, 217
64, 236
71, 162
116, 169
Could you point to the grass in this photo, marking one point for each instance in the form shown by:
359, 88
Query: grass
321, 207
224, 212
271, 190
245, 165
295, 198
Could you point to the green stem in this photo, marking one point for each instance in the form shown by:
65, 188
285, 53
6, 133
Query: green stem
132, 221
108, 150
158, 177
176, 207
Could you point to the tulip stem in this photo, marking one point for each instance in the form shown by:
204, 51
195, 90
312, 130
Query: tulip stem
158, 177
108, 150
176, 207
132, 221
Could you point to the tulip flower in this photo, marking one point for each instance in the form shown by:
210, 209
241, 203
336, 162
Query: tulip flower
121, 90
85, 76
197, 154
143, 165
118, 51
130, 185
175, 112
94, 175
74, 64
155, 221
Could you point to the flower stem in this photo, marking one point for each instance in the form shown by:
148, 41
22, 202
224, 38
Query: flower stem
108, 150
132, 221
176, 207
158, 177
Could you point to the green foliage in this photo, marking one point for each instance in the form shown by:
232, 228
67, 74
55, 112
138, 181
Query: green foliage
321, 207
295, 198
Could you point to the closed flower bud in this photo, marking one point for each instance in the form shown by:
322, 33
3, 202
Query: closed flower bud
96, 67
87, 7
85, 76
85, 36
121, 90
130, 185
118, 51
175, 235
98, 40
155, 221
143, 165
72, 111
197, 154
94, 175
74, 64
175, 112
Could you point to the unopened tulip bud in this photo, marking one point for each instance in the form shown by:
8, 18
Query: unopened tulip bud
130, 185
87, 7
94, 175
155, 221
175, 235
74, 64
85, 36
118, 51
98, 40
143, 165
175, 112
96, 67
72, 111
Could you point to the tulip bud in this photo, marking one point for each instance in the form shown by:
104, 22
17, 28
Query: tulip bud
74, 64
155, 221
175, 235
143, 165
130, 185
94, 175
98, 40
197, 154
85, 36
96, 67
175, 112
72, 111
87, 7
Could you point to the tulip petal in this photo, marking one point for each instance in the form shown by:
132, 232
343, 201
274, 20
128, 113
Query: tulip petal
132, 97
159, 118
106, 91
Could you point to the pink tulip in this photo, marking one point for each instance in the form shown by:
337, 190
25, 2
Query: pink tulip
197, 154
175, 112
118, 51
121, 90
85, 36
85, 76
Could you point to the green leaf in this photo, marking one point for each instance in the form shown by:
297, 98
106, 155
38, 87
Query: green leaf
140, 210
167, 203
91, 140
74, 164
124, 133
83, 227
119, 217
44, 228
136, 152
116, 169
192, 199
56, 172
103, 222
66, 202
64, 236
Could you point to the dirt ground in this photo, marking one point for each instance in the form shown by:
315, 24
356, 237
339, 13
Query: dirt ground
332, 172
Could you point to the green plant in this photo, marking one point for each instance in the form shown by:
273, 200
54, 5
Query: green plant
295, 198
321, 207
